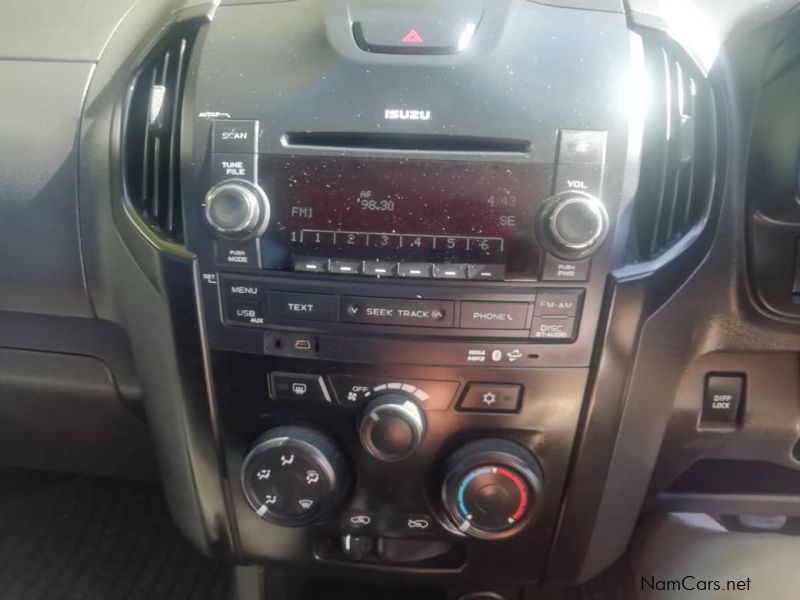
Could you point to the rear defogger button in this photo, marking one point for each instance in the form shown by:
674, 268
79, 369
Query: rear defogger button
393, 311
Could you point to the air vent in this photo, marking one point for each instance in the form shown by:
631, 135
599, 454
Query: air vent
677, 173
151, 135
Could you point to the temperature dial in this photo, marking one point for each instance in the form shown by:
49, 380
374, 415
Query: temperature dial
491, 488
293, 475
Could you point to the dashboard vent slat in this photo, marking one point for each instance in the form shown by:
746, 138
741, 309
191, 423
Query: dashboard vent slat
678, 153
151, 135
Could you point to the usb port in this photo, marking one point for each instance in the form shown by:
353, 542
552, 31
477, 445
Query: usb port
302, 345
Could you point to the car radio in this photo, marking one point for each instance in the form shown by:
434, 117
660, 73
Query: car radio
400, 313
468, 219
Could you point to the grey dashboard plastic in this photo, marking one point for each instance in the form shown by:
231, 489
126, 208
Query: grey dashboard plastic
67, 31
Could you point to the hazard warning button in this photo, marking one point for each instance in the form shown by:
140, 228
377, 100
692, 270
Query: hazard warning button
424, 36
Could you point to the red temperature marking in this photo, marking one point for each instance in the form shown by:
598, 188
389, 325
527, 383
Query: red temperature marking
523, 492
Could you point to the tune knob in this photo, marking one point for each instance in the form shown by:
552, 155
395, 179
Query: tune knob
237, 209
491, 488
392, 427
293, 475
574, 224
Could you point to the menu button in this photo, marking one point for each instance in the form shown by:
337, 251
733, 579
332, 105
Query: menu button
242, 289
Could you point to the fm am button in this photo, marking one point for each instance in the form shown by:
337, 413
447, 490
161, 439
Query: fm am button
494, 315
563, 303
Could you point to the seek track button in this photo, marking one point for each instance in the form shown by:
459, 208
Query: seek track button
395, 311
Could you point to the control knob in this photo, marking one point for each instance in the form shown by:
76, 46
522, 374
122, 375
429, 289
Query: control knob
392, 427
573, 224
491, 488
294, 475
237, 209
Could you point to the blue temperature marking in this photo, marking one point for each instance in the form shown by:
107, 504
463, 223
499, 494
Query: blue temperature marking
462, 488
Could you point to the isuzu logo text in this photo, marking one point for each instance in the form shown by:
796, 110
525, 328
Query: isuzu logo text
396, 114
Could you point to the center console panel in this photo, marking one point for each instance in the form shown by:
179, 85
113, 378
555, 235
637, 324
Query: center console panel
403, 242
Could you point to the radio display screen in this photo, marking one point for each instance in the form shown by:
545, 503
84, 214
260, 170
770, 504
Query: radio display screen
400, 210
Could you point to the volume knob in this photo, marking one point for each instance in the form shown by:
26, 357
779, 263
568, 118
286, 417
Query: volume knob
237, 209
575, 224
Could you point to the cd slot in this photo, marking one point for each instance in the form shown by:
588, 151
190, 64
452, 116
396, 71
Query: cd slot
403, 141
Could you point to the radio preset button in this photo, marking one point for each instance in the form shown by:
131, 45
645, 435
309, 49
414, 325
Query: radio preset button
554, 328
311, 265
306, 307
392, 311
379, 268
234, 136
450, 271
486, 272
494, 315
414, 270
346, 267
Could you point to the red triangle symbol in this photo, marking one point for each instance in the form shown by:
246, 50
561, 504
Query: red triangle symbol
412, 37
